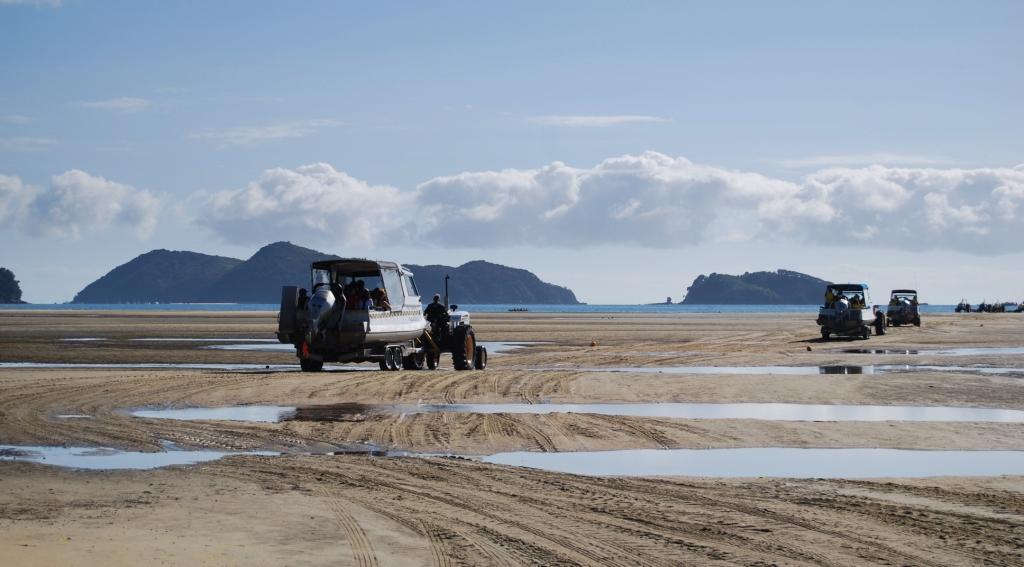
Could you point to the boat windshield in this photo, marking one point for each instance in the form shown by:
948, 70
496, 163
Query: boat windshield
320, 276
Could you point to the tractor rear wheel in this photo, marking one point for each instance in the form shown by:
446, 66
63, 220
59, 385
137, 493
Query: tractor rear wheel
311, 365
824, 334
463, 347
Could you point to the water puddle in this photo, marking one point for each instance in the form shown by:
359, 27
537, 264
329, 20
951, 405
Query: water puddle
184, 366
771, 462
765, 412
204, 340
967, 351
82, 339
72, 416
786, 370
103, 458
493, 347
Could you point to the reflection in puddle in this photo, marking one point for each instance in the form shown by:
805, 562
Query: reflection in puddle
767, 412
772, 462
102, 458
786, 370
72, 416
969, 351
83, 339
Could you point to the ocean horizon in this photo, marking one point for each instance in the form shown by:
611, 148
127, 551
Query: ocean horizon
477, 308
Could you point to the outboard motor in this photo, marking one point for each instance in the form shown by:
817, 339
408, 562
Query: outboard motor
321, 306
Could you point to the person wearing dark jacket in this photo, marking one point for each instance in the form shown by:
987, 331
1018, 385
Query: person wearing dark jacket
435, 312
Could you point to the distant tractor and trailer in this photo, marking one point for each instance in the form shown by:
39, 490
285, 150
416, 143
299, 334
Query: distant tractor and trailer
369, 311
848, 312
903, 308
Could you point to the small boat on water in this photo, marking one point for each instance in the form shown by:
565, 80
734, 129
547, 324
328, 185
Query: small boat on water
518, 310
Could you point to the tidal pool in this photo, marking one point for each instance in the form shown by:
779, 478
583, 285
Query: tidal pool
493, 347
771, 462
756, 411
786, 370
967, 351
103, 458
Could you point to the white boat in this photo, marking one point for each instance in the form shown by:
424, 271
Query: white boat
334, 322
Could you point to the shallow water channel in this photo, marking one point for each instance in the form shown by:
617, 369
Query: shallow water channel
966, 351
751, 462
771, 462
757, 411
103, 458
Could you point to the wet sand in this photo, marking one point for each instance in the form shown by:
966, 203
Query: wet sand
354, 509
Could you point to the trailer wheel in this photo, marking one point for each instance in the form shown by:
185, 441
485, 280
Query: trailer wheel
431, 361
392, 358
917, 321
413, 362
463, 347
311, 365
481, 358
865, 332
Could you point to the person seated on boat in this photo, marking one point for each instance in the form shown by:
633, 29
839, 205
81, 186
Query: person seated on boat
354, 294
380, 299
857, 302
365, 303
830, 297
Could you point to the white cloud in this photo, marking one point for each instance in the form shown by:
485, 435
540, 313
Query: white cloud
649, 200
248, 136
76, 202
14, 199
849, 160
26, 144
15, 119
125, 104
599, 121
310, 203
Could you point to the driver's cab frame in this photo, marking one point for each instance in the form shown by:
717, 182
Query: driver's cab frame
395, 282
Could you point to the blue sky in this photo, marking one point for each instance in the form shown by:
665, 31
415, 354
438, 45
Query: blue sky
862, 141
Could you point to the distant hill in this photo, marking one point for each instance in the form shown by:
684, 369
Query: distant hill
164, 276
10, 288
483, 282
259, 279
783, 287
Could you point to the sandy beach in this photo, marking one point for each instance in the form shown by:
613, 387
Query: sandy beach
308, 508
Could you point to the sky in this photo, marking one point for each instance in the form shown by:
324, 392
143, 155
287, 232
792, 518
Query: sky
617, 148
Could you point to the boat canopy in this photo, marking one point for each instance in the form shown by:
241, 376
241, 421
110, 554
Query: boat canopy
357, 267
849, 287
904, 291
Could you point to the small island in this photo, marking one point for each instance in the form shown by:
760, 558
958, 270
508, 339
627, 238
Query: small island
10, 288
781, 287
